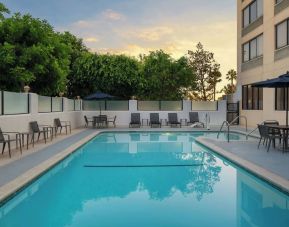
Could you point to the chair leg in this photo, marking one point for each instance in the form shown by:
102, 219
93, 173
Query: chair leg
9, 148
259, 142
44, 135
38, 136
4, 144
20, 145
70, 128
269, 144
66, 130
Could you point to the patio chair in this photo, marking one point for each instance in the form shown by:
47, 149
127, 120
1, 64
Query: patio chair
112, 120
155, 120
194, 119
267, 137
62, 124
273, 131
39, 129
87, 121
135, 120
5, 138
173, 119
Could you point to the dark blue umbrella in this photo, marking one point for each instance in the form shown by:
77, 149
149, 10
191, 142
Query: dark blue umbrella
279, 82
99, 96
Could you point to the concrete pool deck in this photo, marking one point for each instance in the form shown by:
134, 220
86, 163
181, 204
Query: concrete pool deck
22, 169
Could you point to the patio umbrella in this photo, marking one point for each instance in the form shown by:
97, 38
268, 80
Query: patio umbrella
279, 82
99, 96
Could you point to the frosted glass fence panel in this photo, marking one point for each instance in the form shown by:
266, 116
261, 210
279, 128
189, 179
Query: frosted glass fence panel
204, 106
117, 105
70, 104
93, 105
44, 104
57, 104
77, 104
15, 103
148, 105
171, 105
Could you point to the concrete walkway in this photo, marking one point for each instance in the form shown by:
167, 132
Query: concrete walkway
19, 166
274, 161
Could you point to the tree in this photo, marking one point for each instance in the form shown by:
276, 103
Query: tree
118, 75
231, 76
31, 53
230, 88
215, 78
207, 73
3, 10
165, 78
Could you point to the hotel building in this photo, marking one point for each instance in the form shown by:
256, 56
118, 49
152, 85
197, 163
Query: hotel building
263, 53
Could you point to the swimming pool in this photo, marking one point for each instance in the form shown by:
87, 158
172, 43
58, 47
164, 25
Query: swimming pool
146, 179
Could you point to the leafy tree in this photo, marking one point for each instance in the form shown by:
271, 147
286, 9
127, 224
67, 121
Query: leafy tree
215, 78
3, 10
165, 78
230, 88
118, 75
32, 53
207, 73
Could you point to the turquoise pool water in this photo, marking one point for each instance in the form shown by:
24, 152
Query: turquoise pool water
146, 180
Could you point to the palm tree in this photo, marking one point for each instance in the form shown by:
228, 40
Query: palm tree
231, 76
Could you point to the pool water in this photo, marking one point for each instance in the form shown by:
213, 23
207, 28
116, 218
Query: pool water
146, 180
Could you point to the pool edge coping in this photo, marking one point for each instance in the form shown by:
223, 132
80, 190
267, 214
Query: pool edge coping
8, 190
272, 178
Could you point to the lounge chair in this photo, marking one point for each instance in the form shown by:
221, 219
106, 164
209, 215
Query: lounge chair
194, 120
62, 124
173, 120
112, 120
40, 129
87, 121
155, 120
5, 138
135, 120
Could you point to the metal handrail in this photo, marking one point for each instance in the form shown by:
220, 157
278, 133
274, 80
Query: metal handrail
229, 124
251, 133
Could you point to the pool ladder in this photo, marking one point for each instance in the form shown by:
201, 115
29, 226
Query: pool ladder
229, 124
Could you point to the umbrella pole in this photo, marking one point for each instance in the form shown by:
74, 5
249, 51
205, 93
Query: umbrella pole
287, 106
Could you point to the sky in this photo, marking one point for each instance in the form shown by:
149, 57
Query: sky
136, 27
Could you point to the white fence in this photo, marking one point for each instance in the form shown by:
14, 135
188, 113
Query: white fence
18, 109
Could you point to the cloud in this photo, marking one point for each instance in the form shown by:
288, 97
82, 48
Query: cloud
150, 33
112, 15
91, 39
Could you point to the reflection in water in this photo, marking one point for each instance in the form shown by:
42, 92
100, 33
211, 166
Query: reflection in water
74, 195
258, 206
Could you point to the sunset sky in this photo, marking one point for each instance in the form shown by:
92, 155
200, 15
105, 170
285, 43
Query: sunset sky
138, 26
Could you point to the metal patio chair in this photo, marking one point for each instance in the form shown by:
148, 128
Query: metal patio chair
87, 121
62, 124
40, 129
5, 138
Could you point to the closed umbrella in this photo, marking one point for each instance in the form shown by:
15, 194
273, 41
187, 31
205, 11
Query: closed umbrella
279, 82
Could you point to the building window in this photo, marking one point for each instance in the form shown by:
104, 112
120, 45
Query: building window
280, 99
282, 34
252, 12
253, 48
252, 98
